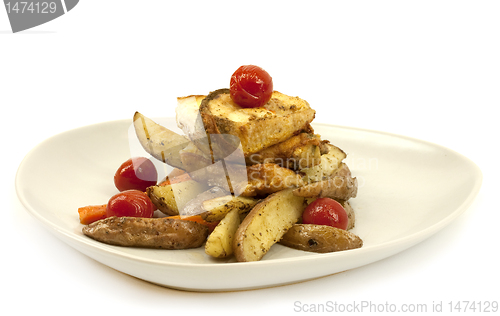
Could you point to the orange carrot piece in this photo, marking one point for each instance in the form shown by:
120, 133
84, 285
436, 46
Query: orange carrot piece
198, 219
91, 213
164, 183
179, 178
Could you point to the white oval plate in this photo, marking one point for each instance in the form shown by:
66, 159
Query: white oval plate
408, 190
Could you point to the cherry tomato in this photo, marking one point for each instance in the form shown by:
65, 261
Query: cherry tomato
251, 86
130, 203
325, 211
136, 174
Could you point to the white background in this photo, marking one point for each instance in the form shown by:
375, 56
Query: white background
425, 69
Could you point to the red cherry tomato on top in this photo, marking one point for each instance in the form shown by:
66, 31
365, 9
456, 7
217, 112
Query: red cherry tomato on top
130, 203
136, 174
325, 211
251, 86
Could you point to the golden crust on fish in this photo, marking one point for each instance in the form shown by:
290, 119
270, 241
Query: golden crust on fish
257, 128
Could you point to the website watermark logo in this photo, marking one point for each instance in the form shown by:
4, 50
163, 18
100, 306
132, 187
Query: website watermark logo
25, 15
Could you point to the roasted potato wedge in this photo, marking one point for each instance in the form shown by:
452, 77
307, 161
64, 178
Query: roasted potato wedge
217, 208
161, 233
320, 238
266, 224
329, 164
160, 142
194, 159
171, 198
342, 171
220, 241
337, 187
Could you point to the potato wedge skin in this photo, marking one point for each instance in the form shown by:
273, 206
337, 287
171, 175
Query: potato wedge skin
158, 233
220, 242
224, 205
320, 238
350, 214
170, 198
337, 187
340, 185
266, 223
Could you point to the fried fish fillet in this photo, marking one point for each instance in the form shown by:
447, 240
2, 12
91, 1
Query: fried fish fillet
255, 128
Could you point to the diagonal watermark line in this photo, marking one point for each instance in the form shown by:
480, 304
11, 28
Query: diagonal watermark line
63, 4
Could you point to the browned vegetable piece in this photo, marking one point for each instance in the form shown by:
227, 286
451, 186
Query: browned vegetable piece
330, 164
159, 141
320, 238
266, 223
336, 187
217, 208
161, 233
350, 213
297, 152
220, 242
173, 197
267, 178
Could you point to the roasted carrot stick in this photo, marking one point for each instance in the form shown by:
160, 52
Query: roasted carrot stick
91, 213
198, 219
176, 179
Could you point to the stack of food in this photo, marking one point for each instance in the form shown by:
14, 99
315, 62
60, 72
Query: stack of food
249, 173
